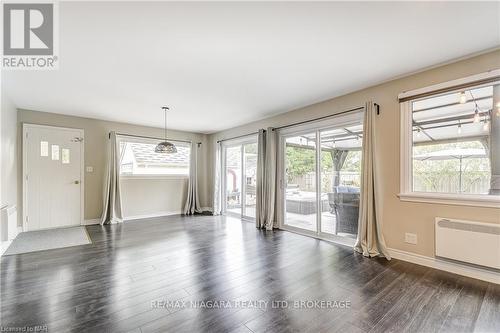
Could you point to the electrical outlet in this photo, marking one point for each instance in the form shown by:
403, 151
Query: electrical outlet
89, 169
411, 238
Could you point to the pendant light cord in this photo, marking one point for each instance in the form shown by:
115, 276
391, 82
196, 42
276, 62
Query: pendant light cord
165, 108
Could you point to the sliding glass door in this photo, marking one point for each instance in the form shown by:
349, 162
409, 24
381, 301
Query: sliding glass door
240, 177
249, 179
300, 174
320, 170
233, 179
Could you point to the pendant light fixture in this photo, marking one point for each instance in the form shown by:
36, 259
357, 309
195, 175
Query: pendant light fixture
486, 124
166, 147
476, 116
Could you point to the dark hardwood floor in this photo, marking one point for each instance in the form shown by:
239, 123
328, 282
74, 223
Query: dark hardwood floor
124, 280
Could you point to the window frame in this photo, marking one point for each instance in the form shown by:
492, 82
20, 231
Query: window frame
406, 147
133, 139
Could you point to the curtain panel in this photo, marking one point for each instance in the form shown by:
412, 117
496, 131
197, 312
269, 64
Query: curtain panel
260, 217
266, 180
112, 204
192, 200
370, 241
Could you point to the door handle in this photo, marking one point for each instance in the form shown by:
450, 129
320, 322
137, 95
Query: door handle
77, 182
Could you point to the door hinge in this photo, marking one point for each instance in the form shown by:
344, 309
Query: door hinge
26, 177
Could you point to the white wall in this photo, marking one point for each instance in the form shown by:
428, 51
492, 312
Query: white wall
9, 165
144, 197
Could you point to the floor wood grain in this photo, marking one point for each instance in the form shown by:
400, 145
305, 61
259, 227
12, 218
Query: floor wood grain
124, 279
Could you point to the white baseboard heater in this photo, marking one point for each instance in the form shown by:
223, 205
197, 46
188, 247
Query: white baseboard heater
8, 223
468, 241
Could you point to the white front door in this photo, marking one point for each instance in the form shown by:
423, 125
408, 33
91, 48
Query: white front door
52, 167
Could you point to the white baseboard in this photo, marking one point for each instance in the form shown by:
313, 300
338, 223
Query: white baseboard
91, 222
449, 266
148, 216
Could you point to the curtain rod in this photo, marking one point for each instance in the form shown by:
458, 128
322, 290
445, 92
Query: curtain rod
305, 121
151, 137
325, 117
237, 137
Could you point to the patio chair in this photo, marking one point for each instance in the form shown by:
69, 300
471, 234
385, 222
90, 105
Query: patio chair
346, 208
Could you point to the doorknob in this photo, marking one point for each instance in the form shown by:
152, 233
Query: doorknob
77, 182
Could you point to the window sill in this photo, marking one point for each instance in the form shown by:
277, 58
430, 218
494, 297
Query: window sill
490, 201
155, 177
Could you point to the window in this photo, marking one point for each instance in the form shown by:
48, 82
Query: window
138, 158
44, 148
65, 156
55, 152
452, 145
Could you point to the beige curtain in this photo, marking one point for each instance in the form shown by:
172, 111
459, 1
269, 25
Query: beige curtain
260, 197
192, 201
112, 204
266, 180
370, 241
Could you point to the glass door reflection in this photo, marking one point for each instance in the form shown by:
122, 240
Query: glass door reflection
240, 178
250, 179
233, 179
300, 176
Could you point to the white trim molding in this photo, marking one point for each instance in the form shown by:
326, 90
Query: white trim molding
152, 215
475, 272
453, 83
488, 201
153, 177
91, 222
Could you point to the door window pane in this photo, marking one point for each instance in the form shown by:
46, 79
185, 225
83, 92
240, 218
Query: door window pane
300, 173
341, 179
233, 179
44, 148
55, 152
65, 156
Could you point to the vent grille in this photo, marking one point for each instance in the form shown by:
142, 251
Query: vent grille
486, 229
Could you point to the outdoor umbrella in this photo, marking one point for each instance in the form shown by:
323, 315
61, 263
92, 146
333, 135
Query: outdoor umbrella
450, 154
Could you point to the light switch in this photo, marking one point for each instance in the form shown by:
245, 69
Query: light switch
89, 169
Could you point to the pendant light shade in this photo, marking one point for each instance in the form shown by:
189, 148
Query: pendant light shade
166, 147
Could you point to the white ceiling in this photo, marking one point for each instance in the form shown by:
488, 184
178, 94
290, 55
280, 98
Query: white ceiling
219, 65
